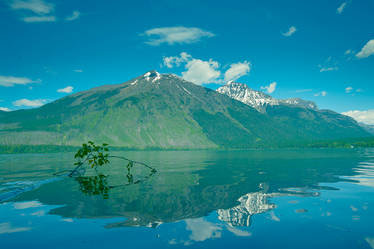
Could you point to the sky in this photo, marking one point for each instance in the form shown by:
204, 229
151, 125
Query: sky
321, 50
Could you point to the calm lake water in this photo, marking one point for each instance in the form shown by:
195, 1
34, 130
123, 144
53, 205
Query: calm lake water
321, 198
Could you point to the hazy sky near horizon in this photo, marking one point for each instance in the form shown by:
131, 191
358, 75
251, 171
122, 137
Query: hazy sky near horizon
321, 50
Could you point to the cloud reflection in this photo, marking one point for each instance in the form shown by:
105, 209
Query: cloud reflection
27, 204
6, 227
202, 229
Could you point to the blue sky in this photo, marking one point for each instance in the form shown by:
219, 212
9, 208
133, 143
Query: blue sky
321, 51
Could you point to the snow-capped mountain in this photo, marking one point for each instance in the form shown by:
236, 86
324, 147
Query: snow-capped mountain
258, 99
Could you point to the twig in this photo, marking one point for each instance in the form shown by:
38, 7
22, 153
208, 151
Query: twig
124, 158
80, 164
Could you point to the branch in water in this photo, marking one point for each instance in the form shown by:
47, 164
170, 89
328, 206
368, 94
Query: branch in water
97, 155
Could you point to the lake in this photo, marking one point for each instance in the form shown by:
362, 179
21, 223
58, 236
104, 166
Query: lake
312, 198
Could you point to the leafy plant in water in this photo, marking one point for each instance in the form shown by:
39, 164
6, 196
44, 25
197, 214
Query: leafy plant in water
98, 155
94, 155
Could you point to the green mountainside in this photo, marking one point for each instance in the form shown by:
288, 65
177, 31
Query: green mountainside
167, 112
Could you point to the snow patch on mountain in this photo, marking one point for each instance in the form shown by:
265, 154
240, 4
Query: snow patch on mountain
152, 75
186, 91
300, 103
158, 77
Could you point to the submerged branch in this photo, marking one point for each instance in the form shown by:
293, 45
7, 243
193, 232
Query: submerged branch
132, 161
97, 155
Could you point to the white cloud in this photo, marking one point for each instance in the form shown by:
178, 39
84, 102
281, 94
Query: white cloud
237, 70
78, 70
30, 103
200, 72
67, 89
270, 88
327, 69
9, 81
323, 94
5, 109
348, 51
350, 89
39, 7
172, 61
290, 31
367, 50
6, 227
27, 204
328, 65
341, 7
175, 35
366, 117
75, 15
39, 19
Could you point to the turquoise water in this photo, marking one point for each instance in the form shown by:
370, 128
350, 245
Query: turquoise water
321, 198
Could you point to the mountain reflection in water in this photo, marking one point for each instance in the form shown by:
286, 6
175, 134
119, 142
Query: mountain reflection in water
250, 204
190, 185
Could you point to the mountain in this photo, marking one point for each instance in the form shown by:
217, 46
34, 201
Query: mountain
260, 100
164, 111
367, 127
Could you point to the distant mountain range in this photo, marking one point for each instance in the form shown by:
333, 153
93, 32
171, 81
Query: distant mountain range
167, 112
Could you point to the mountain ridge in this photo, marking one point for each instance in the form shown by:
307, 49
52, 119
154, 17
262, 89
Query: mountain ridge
164, 111
259, 100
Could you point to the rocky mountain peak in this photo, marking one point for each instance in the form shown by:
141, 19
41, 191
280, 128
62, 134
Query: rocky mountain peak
259, 100
245, 94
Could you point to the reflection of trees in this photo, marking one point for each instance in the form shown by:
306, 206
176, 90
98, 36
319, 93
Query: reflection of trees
215, 181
